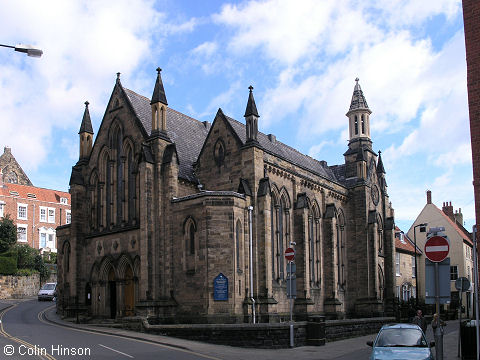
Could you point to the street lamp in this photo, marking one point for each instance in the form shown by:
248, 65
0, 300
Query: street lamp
28, 49
422, 229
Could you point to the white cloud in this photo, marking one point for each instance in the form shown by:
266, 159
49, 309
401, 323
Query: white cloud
84, 44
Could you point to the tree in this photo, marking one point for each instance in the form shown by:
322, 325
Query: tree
8, 233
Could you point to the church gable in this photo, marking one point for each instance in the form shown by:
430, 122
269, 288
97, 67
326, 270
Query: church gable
219, 162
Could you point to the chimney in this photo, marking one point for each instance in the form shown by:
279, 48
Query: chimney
448, 210
459, 216
429, 197
1, 178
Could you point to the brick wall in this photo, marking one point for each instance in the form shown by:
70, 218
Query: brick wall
18, 287
471, 19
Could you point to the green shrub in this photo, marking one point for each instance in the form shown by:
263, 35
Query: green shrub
26, 272
8, 265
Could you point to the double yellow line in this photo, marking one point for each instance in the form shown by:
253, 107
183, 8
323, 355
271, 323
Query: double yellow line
45, 355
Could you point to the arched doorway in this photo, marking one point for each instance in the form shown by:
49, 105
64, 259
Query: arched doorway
129, 292
112, 292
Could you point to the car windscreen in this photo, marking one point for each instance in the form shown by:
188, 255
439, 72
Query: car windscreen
48, 287
401, 337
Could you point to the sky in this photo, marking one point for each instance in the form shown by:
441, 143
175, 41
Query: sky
301, 57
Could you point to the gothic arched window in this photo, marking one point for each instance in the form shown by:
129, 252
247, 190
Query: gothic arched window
238, 232
363, 124
356, 125
341, 250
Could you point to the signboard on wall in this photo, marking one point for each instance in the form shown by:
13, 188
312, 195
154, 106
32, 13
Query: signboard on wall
220, 288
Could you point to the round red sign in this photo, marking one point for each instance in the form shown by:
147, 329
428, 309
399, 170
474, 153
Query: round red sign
289, 254
437, 248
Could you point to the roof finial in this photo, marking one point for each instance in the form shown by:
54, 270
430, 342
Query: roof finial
159, 70
250, 88
379, 152
357, 79
118, 76
86, 103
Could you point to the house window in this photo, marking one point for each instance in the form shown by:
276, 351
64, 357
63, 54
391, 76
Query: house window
51, 215
413, 266
1, 209
397, 263
406, 292
453, 272
63, 200
22, 211
43, 214
69, 216
22, 233
43, 240
397, 291
51, 241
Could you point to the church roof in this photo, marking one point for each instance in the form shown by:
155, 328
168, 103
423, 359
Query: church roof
189, 135
358, 100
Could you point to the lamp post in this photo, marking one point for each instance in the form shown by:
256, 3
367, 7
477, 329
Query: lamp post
27, 49
422, 229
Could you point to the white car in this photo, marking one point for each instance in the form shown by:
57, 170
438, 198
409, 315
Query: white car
47, 292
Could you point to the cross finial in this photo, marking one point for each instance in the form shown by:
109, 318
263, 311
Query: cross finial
159, 70
357, 79
250, 88
86, 103
379, 152
118, 76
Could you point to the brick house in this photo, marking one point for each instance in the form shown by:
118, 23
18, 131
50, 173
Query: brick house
36, 211
163, 204
406, 283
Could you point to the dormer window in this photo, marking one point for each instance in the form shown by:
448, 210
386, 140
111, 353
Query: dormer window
63, 200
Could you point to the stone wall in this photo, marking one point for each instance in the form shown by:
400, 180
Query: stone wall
18, 287
314, 332
343, 329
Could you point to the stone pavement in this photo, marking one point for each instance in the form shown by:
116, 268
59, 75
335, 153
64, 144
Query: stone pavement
354, 348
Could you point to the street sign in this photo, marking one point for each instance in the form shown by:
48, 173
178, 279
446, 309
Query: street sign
289, 254
462, 284
437, 248
443, 282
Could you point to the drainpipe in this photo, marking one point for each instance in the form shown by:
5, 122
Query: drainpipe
250, 209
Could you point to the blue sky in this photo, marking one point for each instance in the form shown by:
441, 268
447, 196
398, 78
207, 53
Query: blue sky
301, 57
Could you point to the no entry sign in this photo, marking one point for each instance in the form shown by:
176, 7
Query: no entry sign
437, 248
289, 254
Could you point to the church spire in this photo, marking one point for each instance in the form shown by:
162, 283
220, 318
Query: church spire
359, 115
251, 118
159, 109
86, 134
159, 91
380, 168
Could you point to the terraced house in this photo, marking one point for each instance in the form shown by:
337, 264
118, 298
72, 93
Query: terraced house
163, 206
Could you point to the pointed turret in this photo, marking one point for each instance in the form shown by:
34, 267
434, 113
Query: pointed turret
159, 91
359, 115
380, 168
86, 134
159, 108
251, 118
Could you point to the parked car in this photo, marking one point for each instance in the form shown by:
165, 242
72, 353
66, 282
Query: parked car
401, 341
48, 292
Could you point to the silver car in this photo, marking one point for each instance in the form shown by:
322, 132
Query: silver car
401, 341
47, 292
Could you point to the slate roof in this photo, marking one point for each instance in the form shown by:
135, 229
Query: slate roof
189, 135
286, 152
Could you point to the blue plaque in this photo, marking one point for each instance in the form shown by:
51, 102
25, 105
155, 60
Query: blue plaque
220, 288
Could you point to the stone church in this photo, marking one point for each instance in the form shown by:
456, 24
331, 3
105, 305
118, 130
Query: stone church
180, 220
